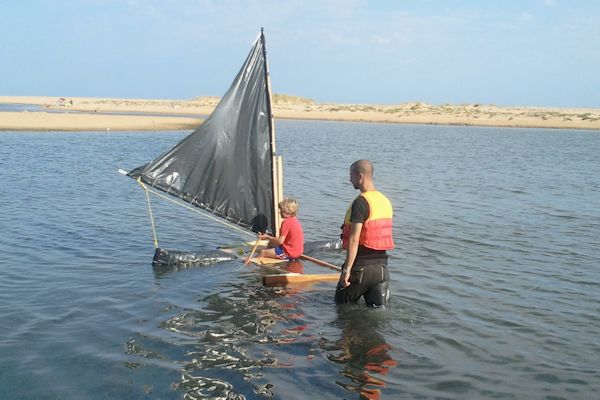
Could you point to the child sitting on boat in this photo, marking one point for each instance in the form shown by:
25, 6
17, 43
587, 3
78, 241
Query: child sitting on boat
290, 242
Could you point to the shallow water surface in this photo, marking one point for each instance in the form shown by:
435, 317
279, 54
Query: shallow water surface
495, 281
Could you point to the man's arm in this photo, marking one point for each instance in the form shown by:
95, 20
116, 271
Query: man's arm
353, 240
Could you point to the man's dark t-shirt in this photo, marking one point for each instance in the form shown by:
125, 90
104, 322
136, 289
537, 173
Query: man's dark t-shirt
359, 214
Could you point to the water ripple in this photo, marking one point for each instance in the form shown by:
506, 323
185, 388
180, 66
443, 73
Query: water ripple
494, 278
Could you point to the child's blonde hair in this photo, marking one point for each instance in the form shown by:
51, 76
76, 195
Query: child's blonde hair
289, 206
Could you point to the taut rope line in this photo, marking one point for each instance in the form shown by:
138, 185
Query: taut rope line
194, 209
149, 212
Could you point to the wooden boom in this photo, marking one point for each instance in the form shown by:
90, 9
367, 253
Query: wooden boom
286, 279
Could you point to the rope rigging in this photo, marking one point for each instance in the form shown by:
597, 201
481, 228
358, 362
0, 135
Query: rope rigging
194, 209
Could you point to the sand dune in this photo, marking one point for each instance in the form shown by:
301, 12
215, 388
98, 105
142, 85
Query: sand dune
184, 114
42, 121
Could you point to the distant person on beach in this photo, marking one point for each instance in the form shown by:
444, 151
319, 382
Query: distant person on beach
366, 236
289, 244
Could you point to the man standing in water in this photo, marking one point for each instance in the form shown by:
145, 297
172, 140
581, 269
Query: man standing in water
366, 235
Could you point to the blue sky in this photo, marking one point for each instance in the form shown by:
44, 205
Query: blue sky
527, 52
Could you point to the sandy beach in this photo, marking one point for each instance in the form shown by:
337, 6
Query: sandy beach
87, 114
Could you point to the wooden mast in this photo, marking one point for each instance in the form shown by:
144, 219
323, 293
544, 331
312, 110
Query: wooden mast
276, 161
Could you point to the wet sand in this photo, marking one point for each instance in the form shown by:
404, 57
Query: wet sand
183, 114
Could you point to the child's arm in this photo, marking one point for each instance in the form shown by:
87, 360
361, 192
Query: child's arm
273, 241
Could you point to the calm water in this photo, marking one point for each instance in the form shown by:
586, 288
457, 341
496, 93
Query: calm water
495, 279
66, 110
20, 107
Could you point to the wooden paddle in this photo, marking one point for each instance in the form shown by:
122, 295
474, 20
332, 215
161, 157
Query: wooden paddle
253, 250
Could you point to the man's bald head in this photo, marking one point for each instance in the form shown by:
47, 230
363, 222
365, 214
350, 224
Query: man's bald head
361, 175
362, 167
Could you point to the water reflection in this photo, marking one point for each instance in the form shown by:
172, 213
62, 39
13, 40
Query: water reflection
295, 266
362, 352
222, 348
19, 107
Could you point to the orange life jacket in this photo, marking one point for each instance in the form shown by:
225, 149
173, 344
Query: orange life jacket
376, 231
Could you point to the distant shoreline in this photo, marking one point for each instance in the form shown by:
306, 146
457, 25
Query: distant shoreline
182, 114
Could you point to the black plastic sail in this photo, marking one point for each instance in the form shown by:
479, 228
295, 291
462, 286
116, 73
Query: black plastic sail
225, 166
